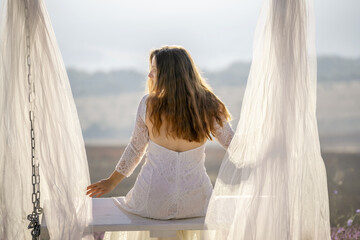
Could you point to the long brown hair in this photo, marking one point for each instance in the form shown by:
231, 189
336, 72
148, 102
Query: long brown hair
181, 97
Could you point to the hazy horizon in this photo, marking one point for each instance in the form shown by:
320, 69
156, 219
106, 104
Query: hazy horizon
107, 101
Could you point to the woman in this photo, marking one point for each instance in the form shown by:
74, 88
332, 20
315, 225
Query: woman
173, 122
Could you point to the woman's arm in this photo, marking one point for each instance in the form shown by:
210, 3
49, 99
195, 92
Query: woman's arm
131, 157
136, 149
223, 134
105, 185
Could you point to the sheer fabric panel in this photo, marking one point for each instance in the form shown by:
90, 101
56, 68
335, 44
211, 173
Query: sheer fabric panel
60, 150
272, 182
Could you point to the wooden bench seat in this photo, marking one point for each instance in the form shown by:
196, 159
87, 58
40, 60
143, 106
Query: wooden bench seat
108, 217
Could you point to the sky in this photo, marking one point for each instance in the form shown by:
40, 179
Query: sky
119, 34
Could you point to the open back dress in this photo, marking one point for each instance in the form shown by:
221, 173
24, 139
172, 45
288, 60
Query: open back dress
170, 185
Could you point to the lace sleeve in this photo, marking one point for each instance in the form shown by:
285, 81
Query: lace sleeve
223, 134
136, 149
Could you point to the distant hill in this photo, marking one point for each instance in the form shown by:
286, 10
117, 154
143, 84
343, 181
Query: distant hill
338, 69
235, 74
105, 83
330, 68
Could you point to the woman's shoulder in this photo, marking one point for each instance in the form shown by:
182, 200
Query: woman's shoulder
143, 99
142, 107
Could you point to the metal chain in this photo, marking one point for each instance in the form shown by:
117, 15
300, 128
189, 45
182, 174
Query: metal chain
37, 210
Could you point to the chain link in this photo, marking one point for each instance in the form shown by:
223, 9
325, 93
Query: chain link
37, 210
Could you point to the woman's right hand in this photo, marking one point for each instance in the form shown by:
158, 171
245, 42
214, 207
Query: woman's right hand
100, 188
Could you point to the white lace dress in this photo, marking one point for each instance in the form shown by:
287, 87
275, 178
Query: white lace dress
170, 184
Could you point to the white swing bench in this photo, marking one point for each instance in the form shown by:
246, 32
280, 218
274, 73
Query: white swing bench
108, 217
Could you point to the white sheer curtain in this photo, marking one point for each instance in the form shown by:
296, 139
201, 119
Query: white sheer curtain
59, 144
272, 182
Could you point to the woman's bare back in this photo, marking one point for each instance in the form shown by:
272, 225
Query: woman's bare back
164, 140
